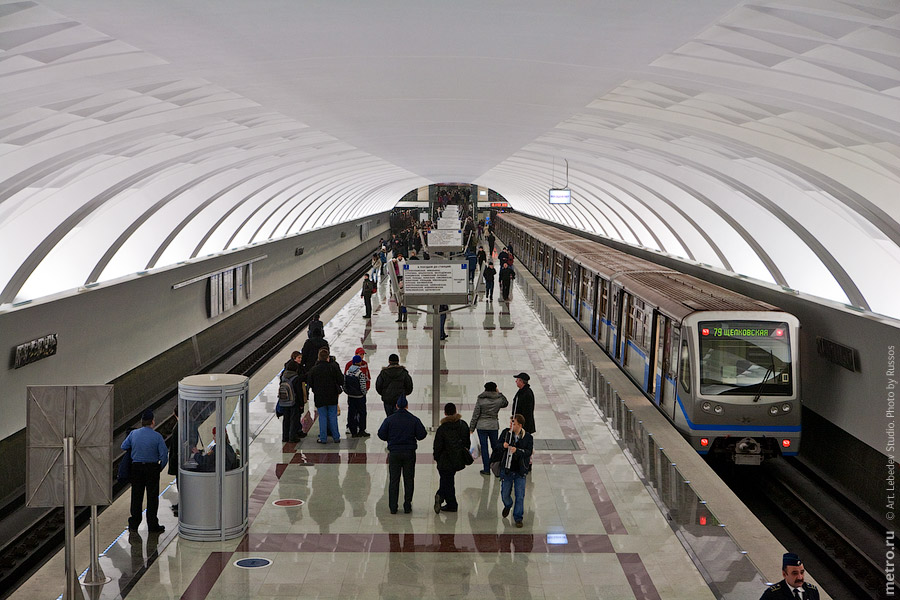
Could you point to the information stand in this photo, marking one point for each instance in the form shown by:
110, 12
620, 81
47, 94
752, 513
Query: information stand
436, 282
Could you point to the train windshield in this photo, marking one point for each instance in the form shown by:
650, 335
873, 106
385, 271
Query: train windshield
745, 357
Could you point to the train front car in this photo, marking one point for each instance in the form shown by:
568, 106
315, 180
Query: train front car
745, 403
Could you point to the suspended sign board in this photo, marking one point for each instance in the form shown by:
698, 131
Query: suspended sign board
445, 223
445, 240
435, 282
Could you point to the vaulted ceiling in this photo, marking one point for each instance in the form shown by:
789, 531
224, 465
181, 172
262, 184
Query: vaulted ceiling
758, 137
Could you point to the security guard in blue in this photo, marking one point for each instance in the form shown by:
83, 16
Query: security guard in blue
148, 458
792, 587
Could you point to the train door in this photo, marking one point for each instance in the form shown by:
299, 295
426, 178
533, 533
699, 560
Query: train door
662, 333
569, 285
685, 385
587, 300
670, 361
558, 274
601, 311
618, 329
546, 271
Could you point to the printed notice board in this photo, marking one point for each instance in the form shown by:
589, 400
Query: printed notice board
434, 282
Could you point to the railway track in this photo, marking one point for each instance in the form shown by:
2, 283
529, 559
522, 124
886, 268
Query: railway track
841, 544
29, 537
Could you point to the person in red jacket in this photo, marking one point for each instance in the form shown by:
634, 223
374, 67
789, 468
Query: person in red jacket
361, 352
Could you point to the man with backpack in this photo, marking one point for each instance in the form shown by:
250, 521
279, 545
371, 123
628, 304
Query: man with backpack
290, 399
355, 384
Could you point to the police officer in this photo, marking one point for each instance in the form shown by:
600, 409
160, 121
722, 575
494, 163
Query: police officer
148, 458
792, 586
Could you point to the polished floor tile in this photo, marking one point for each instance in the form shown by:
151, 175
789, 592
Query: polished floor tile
591, 530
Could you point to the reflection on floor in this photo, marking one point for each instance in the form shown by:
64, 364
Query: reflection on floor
590, 528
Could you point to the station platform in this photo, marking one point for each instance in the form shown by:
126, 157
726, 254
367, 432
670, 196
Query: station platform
591, 527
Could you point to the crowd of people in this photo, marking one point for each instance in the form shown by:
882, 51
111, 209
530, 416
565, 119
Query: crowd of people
505, 454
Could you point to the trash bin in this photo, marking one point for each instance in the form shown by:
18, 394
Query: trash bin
212, 484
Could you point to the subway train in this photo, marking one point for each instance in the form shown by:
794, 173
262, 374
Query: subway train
722, 367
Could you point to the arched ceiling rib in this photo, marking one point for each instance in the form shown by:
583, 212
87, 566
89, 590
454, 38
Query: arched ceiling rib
767, 144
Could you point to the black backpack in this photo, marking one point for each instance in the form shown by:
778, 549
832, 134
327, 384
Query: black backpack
286, 390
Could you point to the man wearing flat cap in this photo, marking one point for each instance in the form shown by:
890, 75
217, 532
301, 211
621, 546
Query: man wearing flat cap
523, 402
149, 456
792, 586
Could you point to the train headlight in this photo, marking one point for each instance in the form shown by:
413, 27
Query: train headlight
786, 407
719, 409
773, 410
706, 406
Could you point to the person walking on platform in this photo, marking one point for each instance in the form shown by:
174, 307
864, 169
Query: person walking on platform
451, 453
491, 240
482, 255
355, 384
792, 587
489, 274
523, 402
444, 309
291, 400
149, 456
376, 267
515, 462
506, 277
402, 431
326, 382
393, 381
486, 421
368, 288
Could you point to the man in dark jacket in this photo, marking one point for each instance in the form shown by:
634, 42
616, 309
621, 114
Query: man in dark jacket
401, 431
290, 425
393, 381
311, 347
515, 462
490, 273
451, 447
368, 288
506, 276
326, 382
523, 401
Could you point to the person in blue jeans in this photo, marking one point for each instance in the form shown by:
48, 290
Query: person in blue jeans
485, 420
514, 461
326, 382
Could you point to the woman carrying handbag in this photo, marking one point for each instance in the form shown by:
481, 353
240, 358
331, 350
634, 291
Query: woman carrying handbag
451, 452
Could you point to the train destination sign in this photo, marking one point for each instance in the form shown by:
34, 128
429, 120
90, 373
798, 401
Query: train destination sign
434, 282
743, 330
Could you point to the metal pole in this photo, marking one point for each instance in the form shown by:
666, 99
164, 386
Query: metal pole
95, 575
436, 367
73, 589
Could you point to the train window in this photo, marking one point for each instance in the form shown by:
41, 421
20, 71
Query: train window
637, 326
684, 371
745, 358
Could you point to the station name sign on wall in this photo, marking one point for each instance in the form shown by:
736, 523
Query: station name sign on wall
35, 350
